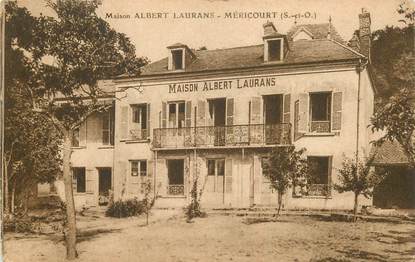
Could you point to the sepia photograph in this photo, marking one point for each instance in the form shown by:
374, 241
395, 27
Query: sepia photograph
207, 130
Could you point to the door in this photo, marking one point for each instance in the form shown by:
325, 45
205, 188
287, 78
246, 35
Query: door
215, 184
104, 185
175, 173
217, 113
272, 118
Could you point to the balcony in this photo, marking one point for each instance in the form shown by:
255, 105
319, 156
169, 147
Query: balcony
222, 136
320, 126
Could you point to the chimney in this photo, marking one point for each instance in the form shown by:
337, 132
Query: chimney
364, 33
269, 28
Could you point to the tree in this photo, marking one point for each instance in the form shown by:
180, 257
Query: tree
283, 167
358, 176
84, 49
194, 209
31, 143
393, 62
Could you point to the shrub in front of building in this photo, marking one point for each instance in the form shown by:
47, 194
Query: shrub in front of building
126, 208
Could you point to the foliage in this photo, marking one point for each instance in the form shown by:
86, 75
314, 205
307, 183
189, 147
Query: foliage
397, 120
358, 176
193, 209
148, 201
284, 166
31, 142
126, 208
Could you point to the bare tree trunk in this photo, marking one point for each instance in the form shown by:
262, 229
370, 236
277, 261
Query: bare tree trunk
6, 188
356, 205
70, 231
13, 194
279, 202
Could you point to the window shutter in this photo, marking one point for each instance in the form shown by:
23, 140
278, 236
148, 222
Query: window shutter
329, 176
124, 122
287, 105
228, 175
229, 111
303, 113
148, 121
122, 174
255, 110
161, 177
90, 181
188, 113
74, 183
82, 133
163, 114
201, 113
337, 111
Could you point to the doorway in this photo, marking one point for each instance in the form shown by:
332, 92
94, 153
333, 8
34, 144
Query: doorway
217, 114
215, 183
175, 173
104, 185
272, 117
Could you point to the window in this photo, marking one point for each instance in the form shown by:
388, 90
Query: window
318, 180
138, 167
75, 138
274, 50
216, 173
177, 56
320, 112
79, 181
176, 114
175, 173
108, 127
138, 128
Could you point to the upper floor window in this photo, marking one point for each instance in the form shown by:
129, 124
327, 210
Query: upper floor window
138, 167
177, 56
75, 138
274, 50
176, 114
108, 127
320, 112
138, 126
79, 180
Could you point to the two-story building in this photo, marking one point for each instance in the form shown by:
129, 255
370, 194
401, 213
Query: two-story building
216, 114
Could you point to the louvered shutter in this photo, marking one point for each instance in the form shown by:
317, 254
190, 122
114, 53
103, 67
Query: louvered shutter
122, 174
228, 175
255, 110
90, 181
163, 114
329, 178
201, 133
148, 121
230, 107
287, 105
337, 111
188, 113
124, 122
161, 177
303, 113
74, 182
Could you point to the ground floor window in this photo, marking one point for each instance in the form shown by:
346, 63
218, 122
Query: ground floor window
216, 174
138, 167
79, 181
318, 180
175, 172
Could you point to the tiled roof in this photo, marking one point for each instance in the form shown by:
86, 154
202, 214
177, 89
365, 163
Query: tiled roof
301, 51
389, 153
319, 31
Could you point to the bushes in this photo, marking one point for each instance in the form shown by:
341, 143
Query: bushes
126, 208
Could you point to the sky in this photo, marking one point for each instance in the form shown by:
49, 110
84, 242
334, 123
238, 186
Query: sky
151, 36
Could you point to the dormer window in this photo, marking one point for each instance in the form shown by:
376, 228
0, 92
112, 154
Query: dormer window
177, 57
180, 57
274, 50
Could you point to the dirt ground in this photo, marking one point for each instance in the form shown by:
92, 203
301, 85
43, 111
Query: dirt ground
221, 238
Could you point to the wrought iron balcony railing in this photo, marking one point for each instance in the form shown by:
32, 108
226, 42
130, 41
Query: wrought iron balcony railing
320, 126
175, 190
217, 136
313, 190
